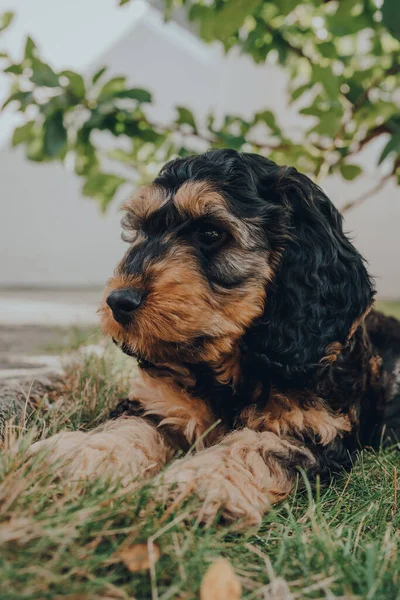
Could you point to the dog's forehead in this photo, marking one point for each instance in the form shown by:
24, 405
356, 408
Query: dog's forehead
191, 200
196, 198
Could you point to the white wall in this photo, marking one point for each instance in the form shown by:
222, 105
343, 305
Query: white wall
50, 235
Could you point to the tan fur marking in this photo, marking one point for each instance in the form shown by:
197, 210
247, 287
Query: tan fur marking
147, 200
283, 416
191, 416
375, 363
359, 321
332, 352
180, 307
195, 199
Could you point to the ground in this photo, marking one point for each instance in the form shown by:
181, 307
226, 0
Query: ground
59, 541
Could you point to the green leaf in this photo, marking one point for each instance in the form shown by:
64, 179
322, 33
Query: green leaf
30, 49
76, 85
298, 92
98, 74
138, 94
391, 17
328, 124
286, 6
43, 74
122, 2
393, 145
350, 172
23, 134
225, 22
227, 140
113, 86
6, 19
185, 116
55, 135
14, 69
327, 49
24, 99
35, 150
103, 187
268, 118
330, 81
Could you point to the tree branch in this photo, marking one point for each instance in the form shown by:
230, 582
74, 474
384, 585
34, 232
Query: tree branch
372, 192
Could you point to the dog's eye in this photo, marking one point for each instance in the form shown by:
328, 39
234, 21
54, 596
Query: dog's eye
209, 236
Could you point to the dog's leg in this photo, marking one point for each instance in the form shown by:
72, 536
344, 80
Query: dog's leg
126, 448
241, 477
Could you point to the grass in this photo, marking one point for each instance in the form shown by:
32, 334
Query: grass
340, 541
389, 307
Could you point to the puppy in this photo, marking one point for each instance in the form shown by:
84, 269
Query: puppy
246, 308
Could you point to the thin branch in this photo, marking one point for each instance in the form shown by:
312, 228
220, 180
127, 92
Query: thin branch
366, 195
212, 139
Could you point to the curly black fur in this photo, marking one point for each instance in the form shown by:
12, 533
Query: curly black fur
322, 285
319, 296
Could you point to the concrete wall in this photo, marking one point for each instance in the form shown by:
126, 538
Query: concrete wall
50, 235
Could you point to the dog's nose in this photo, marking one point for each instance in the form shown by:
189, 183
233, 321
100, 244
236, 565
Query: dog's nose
123, 303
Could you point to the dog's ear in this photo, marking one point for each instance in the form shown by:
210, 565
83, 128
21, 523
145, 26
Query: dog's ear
321, 289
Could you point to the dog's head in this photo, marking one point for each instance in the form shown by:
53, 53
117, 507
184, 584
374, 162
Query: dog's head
226, 247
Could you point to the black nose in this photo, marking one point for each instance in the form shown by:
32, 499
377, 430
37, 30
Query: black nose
123, 303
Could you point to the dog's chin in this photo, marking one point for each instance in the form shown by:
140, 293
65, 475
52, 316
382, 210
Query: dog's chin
158, 352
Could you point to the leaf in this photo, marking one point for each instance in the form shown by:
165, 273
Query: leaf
328, 124
138, 94
268, 118
43, 74
102, 186
136, 557
55, 135
330, 82
122, 2
6, 19
76, 85
327, 49
393, 145
286, 6
24, 98
391, 17
35, 150
229, 141
350, 172
113, 86
185, 116
23, 134
220, 582
30, 49
98, 74
14, 69
295, 95
225, 22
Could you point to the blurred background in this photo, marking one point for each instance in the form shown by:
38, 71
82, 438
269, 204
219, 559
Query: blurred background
97, 95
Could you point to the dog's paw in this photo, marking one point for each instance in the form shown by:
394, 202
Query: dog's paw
76, 455
125, 449
225, 489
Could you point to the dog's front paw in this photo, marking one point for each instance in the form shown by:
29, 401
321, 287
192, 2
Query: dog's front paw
225, 487
77, 455
124, 449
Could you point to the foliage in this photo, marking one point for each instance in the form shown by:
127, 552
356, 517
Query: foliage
343, 64
59, 541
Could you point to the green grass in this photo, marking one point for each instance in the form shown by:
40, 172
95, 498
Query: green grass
340, 541
389, 307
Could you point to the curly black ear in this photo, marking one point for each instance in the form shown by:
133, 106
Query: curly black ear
321, 286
